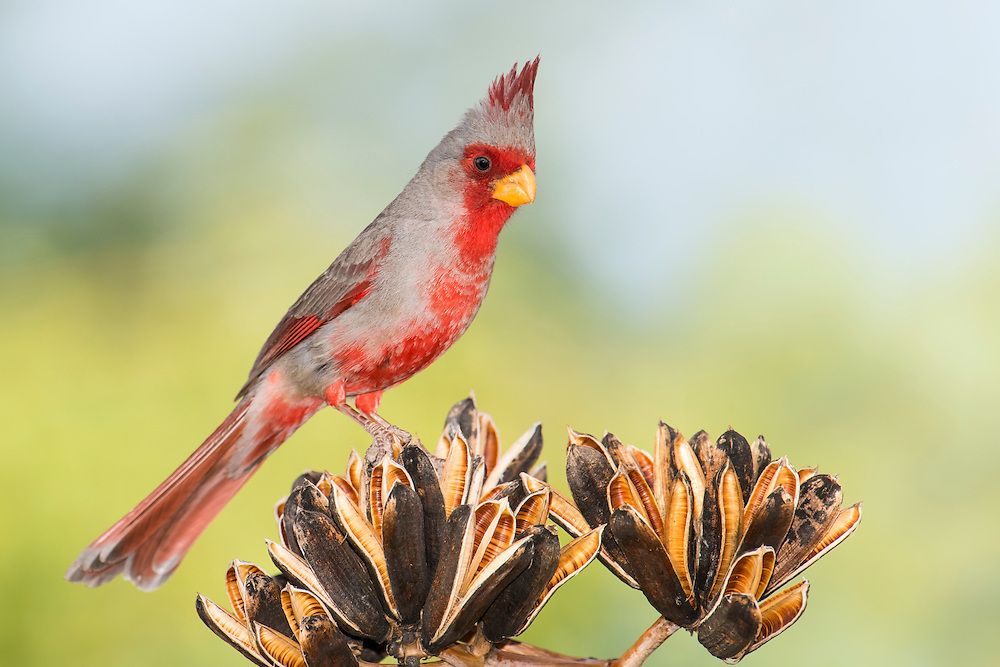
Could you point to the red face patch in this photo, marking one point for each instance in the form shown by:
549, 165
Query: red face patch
483, 165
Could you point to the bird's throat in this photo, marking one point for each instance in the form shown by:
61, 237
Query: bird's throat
476, 233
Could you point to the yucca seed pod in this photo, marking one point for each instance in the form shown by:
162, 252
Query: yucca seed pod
709, 531
405, 554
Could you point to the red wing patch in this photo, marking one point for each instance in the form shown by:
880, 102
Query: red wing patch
294, 330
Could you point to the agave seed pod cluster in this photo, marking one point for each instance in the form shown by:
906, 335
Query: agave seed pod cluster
710, 531
405, 554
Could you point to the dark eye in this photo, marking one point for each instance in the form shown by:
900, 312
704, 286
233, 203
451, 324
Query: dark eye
482, 163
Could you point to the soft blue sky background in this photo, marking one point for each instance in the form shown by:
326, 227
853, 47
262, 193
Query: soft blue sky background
882, 116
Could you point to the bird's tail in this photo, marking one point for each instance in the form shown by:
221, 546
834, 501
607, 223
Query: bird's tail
147, 544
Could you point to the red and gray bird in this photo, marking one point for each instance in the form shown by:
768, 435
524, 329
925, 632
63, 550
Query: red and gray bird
395, 299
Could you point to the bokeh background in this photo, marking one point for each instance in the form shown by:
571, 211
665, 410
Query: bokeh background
779, 216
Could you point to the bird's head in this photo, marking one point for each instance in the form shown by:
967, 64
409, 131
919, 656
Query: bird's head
487, 163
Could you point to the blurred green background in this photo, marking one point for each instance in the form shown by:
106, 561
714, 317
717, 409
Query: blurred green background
776, 216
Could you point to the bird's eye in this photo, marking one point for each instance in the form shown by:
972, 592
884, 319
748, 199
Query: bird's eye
482, 163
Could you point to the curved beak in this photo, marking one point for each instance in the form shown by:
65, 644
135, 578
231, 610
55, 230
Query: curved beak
516, 189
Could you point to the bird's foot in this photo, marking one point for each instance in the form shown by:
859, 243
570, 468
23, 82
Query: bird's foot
364, 414
403, 436
368, 405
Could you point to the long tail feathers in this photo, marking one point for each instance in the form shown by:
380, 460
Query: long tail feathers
147, 544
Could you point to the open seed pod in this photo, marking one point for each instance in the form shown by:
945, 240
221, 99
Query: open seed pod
405, 554
709, 531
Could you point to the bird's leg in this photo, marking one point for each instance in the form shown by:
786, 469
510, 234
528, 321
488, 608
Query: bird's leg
336, 397
368, 405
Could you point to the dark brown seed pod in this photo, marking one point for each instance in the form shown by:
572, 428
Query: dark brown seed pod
711, 538
711, 456
761, 454
732, 626
425, 482
483, 592
770, 523
820, 498
341, 573
518, 458
616, 450
588, 473
262, 597
405, 553
323, 645
290, 505
463, 419
649, 565
737, 449
512, 606
229, 629
445, 583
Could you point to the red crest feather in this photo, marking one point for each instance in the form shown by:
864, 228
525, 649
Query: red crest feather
508, 86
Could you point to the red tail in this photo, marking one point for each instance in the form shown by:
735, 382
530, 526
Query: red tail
147, 544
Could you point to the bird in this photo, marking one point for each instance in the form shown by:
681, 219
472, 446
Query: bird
391, 303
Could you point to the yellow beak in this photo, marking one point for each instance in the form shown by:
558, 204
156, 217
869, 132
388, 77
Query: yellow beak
517, 188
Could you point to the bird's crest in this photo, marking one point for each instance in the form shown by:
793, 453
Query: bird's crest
513, 91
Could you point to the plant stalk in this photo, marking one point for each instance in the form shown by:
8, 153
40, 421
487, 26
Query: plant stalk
650, 640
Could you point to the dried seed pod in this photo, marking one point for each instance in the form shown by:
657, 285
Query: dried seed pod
518, 458
344, 611
805, 474
761, 454
678, 534
368, 546
578, 439
711, 456
770, 523
482, 592
510, 611
644, 462
262, 596
489, 442
683, 460
341, 573
406, 558
648, 563
571, 560
463, 420
742, 459
278, 648
323, 645
721, 531
779, 612
662, 470
565, 515
230, 629
494, 532
532, 511
588, 472
384, 476
355, 470
456, 475
291, 504
730, 630
777, 474
425, 482
820, 498
450, 571
841, 528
